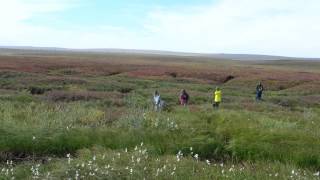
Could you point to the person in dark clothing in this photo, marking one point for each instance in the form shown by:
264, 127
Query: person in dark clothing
259, 91
184, 98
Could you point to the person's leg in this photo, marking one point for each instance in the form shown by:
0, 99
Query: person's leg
162, 105
185, 103
259, 95
215, 105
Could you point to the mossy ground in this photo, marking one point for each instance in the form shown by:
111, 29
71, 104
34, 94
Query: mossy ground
90, 122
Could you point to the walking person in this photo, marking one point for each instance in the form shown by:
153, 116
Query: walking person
184, 98
217, 97
157, 101
259, 91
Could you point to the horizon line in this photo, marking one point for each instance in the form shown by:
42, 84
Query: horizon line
149, 51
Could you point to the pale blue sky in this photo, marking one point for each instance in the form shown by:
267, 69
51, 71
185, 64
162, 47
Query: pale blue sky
126, 13
276, 27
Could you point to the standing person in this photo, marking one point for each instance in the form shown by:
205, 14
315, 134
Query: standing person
259, 91
217, 96
156, 100
184, 98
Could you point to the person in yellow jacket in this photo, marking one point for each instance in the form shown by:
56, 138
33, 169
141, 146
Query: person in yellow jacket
217, 97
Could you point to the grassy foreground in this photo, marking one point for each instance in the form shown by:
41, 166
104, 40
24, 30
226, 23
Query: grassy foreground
58, 122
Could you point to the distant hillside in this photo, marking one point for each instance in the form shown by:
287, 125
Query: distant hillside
251, 57
25, 50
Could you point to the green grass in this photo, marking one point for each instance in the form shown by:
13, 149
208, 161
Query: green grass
137, 163
253, 140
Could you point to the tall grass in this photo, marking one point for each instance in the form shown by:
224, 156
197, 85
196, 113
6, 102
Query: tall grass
56, 129
274, 136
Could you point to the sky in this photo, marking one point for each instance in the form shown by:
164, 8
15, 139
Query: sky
273, 27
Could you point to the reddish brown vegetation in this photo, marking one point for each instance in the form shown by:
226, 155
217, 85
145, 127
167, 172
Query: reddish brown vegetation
159, 67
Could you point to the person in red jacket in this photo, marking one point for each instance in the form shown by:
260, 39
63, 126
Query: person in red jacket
184, 98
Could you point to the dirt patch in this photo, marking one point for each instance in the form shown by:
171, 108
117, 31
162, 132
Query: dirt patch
38, 90
19, 157
228, 78
286, 103
69, 72
10, 74
113, 73
172, 74
76, 96
306, 88
312, 100
61, 80
125, 90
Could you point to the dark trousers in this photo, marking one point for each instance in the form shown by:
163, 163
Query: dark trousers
216, 104
259, 95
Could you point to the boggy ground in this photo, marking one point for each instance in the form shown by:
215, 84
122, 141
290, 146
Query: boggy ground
90, 116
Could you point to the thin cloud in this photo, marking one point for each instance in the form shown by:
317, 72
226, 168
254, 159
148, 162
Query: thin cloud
278, 27
268, 27
14, 15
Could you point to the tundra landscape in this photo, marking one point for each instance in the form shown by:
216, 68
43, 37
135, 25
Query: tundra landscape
90, 115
